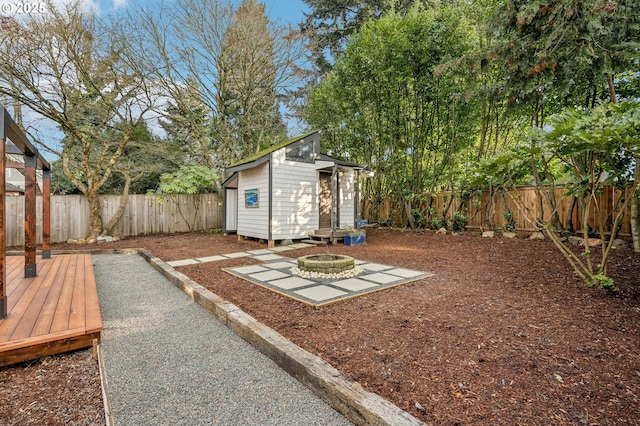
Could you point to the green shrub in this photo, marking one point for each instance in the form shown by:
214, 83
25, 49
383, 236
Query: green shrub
437, 223
459, 222
510, 223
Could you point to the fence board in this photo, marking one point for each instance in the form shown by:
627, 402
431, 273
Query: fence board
524, 204
143, 215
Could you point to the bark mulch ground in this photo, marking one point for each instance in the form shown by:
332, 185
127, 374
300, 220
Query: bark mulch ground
503, 333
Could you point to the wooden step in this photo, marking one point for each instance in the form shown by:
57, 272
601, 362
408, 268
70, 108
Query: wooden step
319, 237
325, 232
323, 239
316, 242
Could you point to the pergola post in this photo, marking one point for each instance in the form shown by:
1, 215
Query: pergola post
10, 131
46, 214
3, 270
30, 216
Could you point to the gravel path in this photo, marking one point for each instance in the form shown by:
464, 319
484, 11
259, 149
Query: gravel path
170, 362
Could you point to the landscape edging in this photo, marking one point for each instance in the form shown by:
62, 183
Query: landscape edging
344, 395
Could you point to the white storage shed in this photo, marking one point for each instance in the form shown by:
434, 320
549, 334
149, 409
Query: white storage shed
290, 191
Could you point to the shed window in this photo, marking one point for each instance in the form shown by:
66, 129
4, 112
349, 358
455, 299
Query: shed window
301, 152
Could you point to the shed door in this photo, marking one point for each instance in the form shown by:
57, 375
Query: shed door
231, 210
325, 200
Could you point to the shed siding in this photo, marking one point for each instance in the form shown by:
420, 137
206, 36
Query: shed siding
231, 209
254, 222
347, 199
295, 198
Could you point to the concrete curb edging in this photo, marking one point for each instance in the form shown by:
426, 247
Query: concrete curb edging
344, 395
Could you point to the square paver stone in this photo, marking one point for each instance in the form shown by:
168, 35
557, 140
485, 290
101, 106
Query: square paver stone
259, 251
251, 269
268, 276
291, 282
281, 248
184, 262
211, 258
354, 284
381, 278
405, 273
268, 257
374, 267
280, 265
236, 255
300, 245
320, 293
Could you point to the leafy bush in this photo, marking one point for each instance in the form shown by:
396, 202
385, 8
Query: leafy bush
459, 222
418, 218
510, 223
437, 223
191, 179
384, 222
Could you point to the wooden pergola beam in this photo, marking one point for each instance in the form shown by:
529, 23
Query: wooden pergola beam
10, 131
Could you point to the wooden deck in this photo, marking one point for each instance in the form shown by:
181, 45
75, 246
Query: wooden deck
55, 312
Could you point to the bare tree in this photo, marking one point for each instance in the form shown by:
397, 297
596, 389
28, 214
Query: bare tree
241, 62
80, 71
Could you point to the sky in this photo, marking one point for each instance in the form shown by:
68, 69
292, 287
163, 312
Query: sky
288, 11
280, 11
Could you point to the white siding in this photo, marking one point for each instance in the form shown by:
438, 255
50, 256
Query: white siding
254, 222
231, 210
295, 198
347, 199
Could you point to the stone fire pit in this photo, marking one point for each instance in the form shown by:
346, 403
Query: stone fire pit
326, 263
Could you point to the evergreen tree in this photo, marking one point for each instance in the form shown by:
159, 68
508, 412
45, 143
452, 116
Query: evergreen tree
389, 104
565, 52
187, 123
249, 118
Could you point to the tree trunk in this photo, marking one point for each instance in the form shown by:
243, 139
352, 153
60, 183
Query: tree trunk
124, 199
612, 89
568, 219
95, 214
635, 208
490, 209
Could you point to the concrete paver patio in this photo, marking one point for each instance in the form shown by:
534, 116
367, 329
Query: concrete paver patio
275, 274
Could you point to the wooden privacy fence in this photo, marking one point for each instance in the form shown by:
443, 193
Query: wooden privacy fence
143, 215
487, 210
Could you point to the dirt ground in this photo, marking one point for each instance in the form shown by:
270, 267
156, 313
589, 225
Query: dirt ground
502, 334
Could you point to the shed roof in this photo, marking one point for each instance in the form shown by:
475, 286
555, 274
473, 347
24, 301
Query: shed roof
272, 148
9, 187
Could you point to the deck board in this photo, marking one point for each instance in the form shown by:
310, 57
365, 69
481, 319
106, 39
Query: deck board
77, 316
57, 311
33, 307
13, 270
92, 304
45, 316
60, 320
